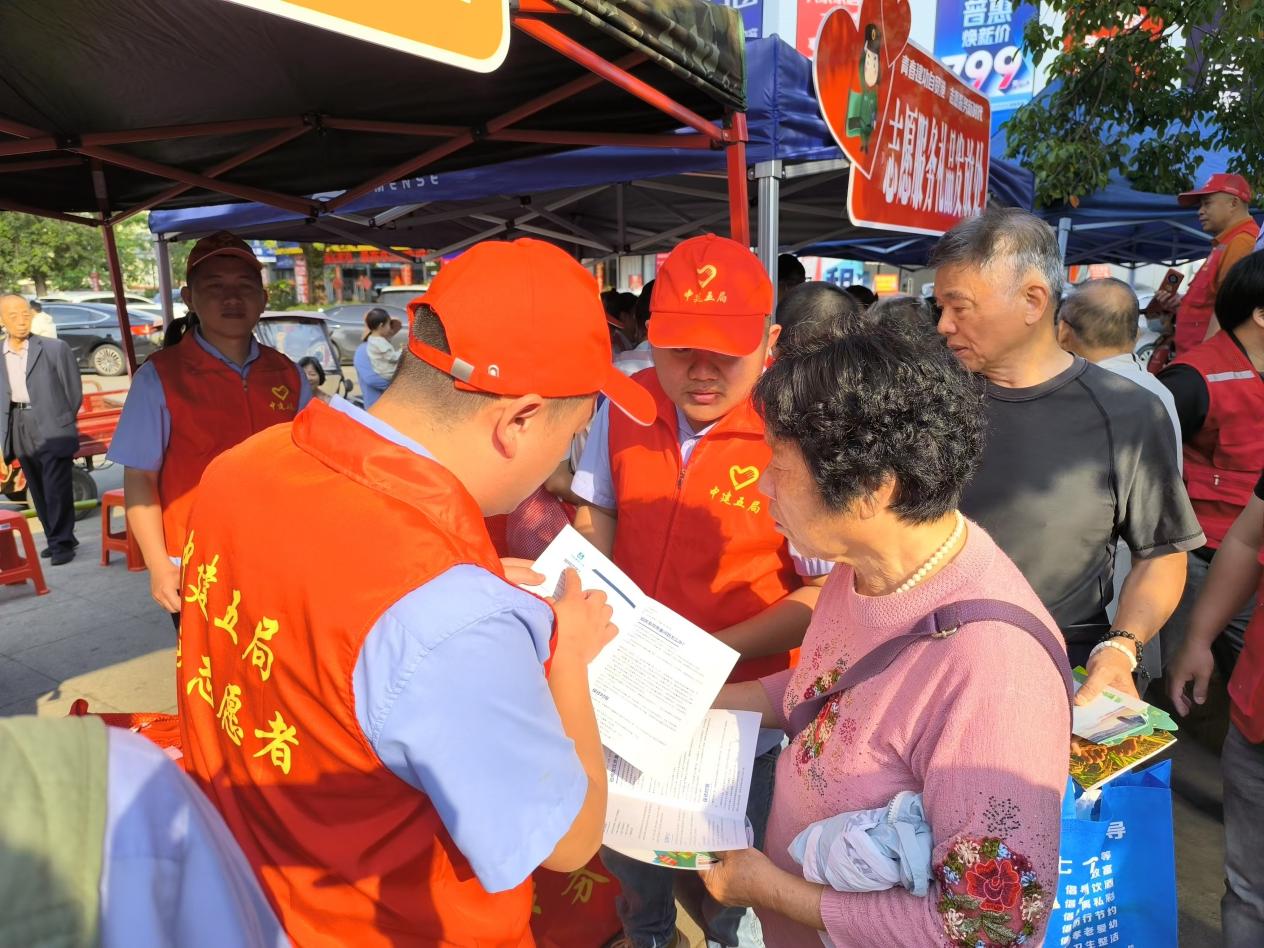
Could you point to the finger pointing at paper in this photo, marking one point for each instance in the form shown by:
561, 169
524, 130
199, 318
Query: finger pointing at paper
583, 620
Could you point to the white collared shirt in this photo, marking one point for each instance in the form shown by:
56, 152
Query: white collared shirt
15, 365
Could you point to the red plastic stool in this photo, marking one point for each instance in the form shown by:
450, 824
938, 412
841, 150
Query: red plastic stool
13, 568
118, 542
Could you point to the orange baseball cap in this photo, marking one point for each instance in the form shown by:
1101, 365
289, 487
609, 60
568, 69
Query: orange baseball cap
523, 317
711, 293
219, 244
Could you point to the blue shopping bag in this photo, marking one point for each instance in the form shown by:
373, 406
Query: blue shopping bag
1117, 868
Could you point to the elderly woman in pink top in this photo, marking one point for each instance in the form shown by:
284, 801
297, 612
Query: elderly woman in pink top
874, 435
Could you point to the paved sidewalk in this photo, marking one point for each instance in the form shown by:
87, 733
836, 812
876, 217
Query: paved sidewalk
96, 635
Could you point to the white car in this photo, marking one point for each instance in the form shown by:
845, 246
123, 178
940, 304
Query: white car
135, 302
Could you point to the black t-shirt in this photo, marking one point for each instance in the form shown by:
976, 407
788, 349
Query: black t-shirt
1070, 466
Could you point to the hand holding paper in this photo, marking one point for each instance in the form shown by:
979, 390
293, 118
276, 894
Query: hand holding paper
652, 686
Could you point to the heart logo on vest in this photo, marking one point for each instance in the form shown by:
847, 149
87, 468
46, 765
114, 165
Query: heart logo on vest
282, 392
743, 477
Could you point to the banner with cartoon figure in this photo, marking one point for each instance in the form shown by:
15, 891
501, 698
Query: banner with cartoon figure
917, 137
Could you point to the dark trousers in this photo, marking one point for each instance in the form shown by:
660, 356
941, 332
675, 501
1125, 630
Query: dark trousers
48, 480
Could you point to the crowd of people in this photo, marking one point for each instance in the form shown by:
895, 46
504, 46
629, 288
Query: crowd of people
910, 518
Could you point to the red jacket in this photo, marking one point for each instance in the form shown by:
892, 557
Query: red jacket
1223, 461
1199, 303
347, 853
212, 409
698, 537
1246, 685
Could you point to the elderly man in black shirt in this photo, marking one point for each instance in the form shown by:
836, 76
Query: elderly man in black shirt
1076, 458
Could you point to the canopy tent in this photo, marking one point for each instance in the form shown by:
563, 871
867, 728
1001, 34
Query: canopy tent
612, 199
172, 103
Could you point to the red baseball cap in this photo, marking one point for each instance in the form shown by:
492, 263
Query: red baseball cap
523, 317
219, 244
1233, 184
711, 293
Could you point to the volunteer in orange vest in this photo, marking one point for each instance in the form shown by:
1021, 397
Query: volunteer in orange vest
1236, 578
378, 730
1218, 390
677, 506
194, 400
1224, 210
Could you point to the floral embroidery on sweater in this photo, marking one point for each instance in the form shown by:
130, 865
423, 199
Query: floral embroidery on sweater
989, 895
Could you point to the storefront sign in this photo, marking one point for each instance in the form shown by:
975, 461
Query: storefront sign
981, 42
884, 284
471, 34
812, 14
917, 136
752, 15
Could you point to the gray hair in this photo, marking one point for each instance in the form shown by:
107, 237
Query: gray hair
1005, 235
1103, 313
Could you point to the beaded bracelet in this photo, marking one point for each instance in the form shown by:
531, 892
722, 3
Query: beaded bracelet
1122, 649
1125, 634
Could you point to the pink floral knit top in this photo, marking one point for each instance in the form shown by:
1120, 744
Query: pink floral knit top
978, 723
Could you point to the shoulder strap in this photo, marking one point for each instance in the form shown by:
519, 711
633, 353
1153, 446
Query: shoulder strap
941, 624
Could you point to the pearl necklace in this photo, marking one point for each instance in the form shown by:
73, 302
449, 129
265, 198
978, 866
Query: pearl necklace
926, 568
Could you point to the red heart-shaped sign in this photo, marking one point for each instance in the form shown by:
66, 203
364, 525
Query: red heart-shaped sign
852, 67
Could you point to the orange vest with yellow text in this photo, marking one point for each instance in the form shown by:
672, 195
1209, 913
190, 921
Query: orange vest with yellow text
213, 408
1198, 304
698, 536
347, 853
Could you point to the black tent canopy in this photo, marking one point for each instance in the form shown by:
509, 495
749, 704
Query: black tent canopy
111, 107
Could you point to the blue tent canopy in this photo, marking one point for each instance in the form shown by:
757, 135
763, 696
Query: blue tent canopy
608, 200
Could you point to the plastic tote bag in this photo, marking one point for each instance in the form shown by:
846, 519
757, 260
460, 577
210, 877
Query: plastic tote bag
1117, 871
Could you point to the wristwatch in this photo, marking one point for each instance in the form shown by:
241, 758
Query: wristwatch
1124, 634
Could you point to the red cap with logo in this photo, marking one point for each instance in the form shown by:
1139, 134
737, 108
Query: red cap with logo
220, 244
1233, 184
523, 318
711, 293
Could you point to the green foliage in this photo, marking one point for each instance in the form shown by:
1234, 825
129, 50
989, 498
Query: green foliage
1189, 73
57, 255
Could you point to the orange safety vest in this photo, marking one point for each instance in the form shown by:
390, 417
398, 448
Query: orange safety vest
212, 409
1198, 305
1246, 684
347, 853
698, 537
1223, 461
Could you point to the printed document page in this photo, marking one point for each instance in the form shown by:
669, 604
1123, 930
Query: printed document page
700, 804
654, 683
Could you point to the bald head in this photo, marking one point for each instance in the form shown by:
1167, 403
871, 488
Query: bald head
1099, 319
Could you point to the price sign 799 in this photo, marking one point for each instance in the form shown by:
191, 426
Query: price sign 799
990, 73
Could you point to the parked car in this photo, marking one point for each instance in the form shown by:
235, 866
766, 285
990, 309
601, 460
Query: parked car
135, 302
178, 308
346, 326
400, 296
92, 331
298, 334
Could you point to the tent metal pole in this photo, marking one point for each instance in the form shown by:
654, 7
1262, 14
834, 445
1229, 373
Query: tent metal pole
270, 144
285, 202
19, 207
1064, 235
120, 296
739, 195
102, 194
620, 218
560, 43
162, 254
471, 135
768, 184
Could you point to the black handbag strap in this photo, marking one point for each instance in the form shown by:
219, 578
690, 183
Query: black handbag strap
941, 624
